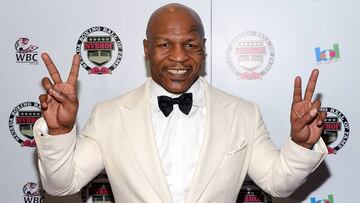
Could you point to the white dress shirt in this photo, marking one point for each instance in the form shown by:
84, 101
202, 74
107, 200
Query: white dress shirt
179, 138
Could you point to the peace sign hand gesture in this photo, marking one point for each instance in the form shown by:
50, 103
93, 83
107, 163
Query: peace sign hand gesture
305, 117
60, 104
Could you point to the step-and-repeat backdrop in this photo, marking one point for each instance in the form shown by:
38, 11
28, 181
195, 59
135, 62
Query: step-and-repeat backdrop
255, 49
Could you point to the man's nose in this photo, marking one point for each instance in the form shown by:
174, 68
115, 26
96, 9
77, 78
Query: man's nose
178, 54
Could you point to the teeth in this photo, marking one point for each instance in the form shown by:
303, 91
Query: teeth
177, 71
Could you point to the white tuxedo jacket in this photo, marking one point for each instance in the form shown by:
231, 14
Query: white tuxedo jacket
119, 138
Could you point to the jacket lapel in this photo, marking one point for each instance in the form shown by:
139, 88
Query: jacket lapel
139, 130
219, 116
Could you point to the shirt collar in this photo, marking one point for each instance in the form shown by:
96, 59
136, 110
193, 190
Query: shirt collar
157, 90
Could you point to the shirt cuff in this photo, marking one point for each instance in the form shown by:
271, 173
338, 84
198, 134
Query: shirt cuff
49, 144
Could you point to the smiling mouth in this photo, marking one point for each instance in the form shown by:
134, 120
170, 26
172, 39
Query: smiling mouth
177, 72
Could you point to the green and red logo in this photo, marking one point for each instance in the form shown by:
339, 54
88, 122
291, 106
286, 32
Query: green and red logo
250, 193
336, 129
100, 50
98, 190
21, 122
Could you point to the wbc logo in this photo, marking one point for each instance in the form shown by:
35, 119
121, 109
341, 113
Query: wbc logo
26, 52
32, 193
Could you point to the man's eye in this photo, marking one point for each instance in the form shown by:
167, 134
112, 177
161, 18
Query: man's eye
165, 45
188, 45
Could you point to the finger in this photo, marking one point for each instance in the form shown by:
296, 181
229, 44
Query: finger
54, 73
58, 96
63, 99
297, 97
46, 83
310, 88
321, 118
43, 102
316, 104
74, 71
308, 117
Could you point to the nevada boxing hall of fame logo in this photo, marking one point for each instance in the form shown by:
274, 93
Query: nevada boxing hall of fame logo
336, 129
100, 50
32, 193
250, 193
21, 122
250, 55
98, 190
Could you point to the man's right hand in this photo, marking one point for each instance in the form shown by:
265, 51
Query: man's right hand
60, 104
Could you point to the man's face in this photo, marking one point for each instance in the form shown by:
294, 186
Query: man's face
176, 51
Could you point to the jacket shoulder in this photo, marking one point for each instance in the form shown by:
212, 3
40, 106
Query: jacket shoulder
109, 106
219, 94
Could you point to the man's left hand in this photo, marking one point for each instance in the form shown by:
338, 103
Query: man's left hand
305, 117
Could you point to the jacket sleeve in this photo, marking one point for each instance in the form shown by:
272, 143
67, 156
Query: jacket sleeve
281, 172
67, 162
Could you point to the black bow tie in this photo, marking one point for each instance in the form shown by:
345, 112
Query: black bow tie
184, 101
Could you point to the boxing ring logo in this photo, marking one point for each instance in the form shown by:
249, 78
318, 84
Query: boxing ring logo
335, 123
100, 50
98, 190
26, 53
21, 122
250, 192
250, 55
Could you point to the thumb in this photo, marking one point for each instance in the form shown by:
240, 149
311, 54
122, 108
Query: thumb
64, 100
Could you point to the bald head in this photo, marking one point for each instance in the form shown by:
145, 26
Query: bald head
173, 14
175, 47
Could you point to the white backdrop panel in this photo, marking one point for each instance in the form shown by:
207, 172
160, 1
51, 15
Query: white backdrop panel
295, 29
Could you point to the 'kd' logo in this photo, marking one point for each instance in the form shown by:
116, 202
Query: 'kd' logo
329, 200
327, 55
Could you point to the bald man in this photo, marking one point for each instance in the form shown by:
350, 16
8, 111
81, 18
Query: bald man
175, 138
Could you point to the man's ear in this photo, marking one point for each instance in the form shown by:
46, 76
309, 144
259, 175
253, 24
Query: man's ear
204, 48
146, 48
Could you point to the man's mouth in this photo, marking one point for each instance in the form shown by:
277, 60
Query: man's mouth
177, 72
